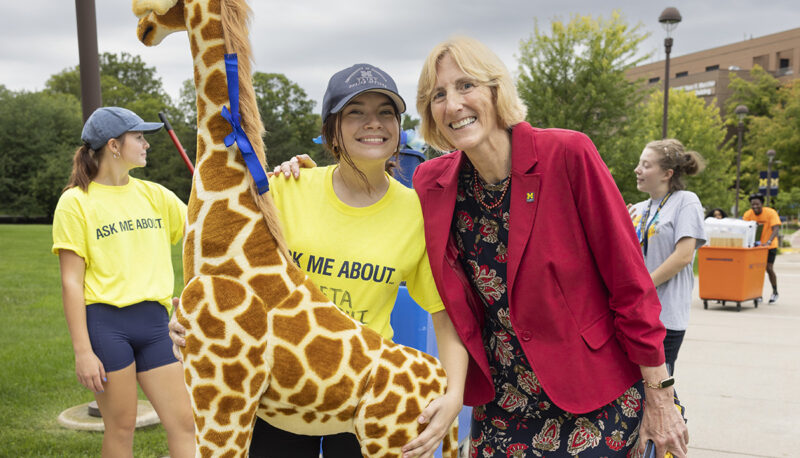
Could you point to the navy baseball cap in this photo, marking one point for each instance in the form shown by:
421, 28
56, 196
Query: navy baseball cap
355, 80
111, 122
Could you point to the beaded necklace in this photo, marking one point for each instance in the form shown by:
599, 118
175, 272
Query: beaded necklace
478, 189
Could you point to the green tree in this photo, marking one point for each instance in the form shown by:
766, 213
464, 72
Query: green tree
699, 127
573, 77
289, 119
409, 122
39, 133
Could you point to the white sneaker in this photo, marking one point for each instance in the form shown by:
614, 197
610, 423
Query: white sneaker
774, 298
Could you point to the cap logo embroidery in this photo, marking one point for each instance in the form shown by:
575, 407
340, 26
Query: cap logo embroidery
361, 76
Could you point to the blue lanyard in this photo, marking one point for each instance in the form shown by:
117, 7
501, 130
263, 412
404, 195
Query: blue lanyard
642, 232
238, 136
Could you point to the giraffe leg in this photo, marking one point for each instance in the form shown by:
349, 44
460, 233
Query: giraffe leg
224, 366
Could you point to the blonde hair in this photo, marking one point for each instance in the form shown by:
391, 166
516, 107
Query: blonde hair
672, 155
478, 61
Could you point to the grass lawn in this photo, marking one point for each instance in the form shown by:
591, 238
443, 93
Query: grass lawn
37, 379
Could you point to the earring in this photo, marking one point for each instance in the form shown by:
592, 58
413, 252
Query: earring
115, 155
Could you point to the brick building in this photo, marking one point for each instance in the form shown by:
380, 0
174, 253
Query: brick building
707, 73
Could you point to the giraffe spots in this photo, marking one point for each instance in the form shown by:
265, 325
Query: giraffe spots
287, 411
205, 368
228, 294
325, 418
233, 375
256, 355
201, 104
218, 127
371, 338
309, 417
433, 387
204, 395
270, 288
246, 201
440, 372
199, 423
220, 228
346, 414
404, 381
380, 381
421, 370
218, 438
291, 328
332, 319
398, 439
228, 405
358, 359
246, 419
195, 204
196, 53
298, 277
428, 358
374, 448
214, 7
191, 296
193, 344
228, 268
215, 86
253, 320
383, 409
292, 301
272, 395
324, 356
201, 147
306, 395
212, 29
316, 294
211, 326
230, 351
396, 357
241, 439
174, 18
259, 248
188, 257
217, 176
411, 413
287, 368
256, 384
336, 395
197, 17
206, 452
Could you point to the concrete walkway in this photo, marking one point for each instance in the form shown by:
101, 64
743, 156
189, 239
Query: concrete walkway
738, 373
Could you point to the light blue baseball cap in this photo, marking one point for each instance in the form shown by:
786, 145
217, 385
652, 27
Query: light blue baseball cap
111, 122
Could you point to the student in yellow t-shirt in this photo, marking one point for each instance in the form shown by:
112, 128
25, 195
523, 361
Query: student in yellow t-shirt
112, 234
357, 232
770, 224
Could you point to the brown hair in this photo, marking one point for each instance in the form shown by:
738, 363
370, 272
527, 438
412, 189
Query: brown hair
672, 155
332, 136
478, 61
86, 163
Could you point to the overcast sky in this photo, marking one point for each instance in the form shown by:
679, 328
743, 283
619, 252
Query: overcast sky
308, 40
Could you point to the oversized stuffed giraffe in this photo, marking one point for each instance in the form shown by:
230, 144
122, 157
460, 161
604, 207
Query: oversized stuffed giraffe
261, 338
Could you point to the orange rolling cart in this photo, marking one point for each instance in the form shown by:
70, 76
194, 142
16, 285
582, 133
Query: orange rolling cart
731, 274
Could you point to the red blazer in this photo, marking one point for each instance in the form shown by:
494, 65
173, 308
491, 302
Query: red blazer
581, 301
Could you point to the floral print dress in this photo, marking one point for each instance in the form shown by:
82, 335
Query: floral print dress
522, 421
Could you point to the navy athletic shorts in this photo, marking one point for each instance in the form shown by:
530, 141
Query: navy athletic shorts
122, 335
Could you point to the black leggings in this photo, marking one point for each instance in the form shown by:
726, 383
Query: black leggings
269, 441
672, 343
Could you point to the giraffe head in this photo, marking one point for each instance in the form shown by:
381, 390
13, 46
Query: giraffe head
157, 19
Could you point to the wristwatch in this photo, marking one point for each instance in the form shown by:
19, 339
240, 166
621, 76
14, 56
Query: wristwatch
669, 381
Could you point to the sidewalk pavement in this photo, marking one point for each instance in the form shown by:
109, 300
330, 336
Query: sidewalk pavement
738, 373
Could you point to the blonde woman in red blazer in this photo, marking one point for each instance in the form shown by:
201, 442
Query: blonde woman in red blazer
533, 253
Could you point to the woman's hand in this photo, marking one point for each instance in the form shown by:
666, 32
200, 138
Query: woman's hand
90, 371
631, 211
177, 333
663, 424
439, 415
293, 166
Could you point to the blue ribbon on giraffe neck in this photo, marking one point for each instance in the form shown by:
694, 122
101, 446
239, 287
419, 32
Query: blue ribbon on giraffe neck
234, 118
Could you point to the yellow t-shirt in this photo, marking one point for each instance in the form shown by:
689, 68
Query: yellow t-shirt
357, 256
123, 233
767, 219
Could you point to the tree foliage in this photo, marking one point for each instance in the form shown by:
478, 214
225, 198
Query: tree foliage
700, 128
573, 77
289, 118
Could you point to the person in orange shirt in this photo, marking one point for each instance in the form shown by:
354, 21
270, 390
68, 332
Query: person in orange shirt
771, 222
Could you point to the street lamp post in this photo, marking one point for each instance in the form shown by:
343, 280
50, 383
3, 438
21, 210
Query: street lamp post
741, 111
669, 19
771, 156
